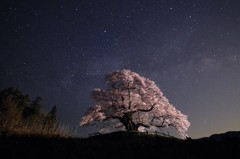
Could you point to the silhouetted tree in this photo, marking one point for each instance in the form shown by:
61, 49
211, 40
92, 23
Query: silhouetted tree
36, 105
12, 104
51, 118
16, 112
15, 95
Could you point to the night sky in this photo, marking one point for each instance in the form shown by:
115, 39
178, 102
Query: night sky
61, 51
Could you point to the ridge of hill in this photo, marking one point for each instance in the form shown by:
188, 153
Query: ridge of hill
121, 145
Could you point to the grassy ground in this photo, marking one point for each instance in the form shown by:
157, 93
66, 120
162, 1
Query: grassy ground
118, 145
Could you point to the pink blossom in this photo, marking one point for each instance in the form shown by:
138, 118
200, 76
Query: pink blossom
136, 103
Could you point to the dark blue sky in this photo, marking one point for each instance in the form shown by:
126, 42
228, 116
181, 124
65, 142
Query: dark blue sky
61, 50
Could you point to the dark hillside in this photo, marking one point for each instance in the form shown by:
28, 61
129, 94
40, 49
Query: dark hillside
119, 145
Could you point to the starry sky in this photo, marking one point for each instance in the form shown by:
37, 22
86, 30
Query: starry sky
61, 50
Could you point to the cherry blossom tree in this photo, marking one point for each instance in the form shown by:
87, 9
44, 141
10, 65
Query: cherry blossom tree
133, 103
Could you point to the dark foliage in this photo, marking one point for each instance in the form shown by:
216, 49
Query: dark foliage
19, 115
51, 118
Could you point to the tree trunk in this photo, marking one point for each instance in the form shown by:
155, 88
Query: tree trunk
129, 125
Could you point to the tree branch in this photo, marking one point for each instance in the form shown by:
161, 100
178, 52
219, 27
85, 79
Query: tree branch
129, 97
147, 110
111, 117
113, 100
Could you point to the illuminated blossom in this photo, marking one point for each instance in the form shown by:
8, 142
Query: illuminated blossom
134, 103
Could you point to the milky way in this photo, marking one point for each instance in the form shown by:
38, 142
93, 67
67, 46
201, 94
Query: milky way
61, 50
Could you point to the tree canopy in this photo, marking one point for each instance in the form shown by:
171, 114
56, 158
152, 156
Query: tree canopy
134, 103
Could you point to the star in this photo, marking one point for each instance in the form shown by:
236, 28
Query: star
64, 50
